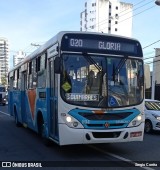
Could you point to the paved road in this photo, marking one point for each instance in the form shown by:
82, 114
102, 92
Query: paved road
20, 144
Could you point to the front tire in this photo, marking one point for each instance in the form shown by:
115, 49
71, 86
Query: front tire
41, 132
148, 128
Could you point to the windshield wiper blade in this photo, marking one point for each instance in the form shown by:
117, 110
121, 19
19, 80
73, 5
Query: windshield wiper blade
120, 65
90, 59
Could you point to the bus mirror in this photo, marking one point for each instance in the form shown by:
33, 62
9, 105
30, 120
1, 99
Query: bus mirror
57, 65
147, 76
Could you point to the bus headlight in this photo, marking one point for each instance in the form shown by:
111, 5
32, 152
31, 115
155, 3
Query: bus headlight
136, 121
71, 121
68, 119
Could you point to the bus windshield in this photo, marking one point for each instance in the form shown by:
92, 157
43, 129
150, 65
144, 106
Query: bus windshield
101, 81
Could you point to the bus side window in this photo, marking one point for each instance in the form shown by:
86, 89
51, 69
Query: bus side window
32, 75
41, 70
19, 78
29, 75
15, 80
11, 81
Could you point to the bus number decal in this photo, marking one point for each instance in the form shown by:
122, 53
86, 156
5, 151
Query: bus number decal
76, 42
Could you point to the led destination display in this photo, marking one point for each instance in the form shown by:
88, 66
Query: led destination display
101, 44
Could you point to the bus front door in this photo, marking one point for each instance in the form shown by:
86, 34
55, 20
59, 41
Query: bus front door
53, 81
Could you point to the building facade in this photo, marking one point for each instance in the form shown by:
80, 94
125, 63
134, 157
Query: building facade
18, 57
4, 60
107, 16
156, 76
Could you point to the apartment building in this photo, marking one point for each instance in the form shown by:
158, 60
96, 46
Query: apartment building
4, 58
107, 16
18, 57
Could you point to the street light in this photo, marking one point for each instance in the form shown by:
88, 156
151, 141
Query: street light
157, 2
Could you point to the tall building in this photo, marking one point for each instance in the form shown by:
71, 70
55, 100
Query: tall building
18, 57
4, 58
155, 75
108, 16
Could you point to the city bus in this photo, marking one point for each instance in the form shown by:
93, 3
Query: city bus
81, 88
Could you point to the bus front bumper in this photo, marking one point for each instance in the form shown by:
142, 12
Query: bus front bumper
69, 135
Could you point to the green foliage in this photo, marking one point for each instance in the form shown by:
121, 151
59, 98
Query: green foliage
3, 81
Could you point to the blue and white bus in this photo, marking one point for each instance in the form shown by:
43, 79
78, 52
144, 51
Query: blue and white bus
81, 88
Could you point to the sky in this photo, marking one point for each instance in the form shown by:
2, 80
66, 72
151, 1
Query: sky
24, 22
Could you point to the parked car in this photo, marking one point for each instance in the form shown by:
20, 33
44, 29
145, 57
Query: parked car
152, 115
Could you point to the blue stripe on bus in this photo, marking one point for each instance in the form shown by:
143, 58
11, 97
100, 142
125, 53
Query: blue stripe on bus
100, 123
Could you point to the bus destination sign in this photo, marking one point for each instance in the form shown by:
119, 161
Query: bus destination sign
102, 45
105, 44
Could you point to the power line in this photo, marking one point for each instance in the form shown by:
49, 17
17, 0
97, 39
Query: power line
151, 44
153, 57
131, 16
137, 8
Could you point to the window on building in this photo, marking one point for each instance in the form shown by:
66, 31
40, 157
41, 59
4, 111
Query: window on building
109, 28
116, 22
116, 16
110, 6
109, 21
116, 29
116, 7
109, 14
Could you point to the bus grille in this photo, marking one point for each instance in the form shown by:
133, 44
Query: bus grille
106, 134
105, 116
102, 125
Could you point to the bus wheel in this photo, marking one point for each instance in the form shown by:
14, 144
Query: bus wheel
148, 126
41, 131
18, 124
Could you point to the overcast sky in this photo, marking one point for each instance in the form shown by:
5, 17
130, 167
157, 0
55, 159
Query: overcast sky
24, 22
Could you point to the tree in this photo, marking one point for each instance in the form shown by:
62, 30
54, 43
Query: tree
3, 81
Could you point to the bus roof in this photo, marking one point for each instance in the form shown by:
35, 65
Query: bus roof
58, 38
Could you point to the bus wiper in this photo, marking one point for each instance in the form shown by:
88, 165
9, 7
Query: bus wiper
90, 60
119, 67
